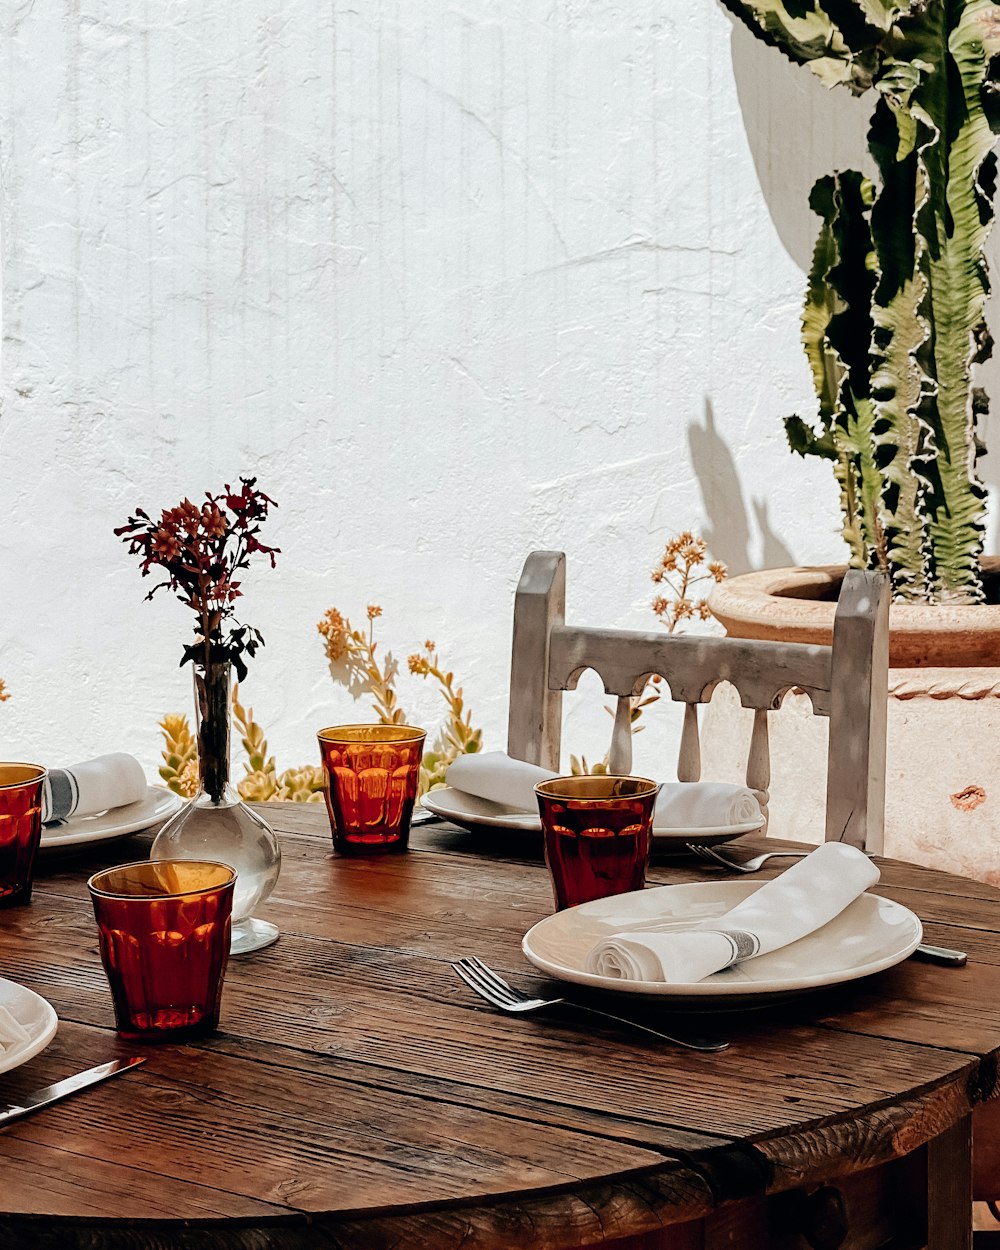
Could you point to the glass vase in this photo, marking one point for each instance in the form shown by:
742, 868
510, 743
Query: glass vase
217, 825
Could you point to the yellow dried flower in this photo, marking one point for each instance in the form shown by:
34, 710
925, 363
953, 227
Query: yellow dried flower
718, 570
418, 664
301, 785
4, 692
693, 552
669, 562
704, 611
660, 605
258, 786
374, 611
180, 756
334, 629
188, 781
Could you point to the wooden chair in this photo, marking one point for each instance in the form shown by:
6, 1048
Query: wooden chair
846, 682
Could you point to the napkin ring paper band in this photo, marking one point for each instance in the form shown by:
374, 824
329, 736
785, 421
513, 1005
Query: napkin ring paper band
745, 945
60, 795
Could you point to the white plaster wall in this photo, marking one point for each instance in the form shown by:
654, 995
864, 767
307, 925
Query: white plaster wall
453, 280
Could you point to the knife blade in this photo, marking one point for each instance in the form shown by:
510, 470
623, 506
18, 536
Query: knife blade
62, 1089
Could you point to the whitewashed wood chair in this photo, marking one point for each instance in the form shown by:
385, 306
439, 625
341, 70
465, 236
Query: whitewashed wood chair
846, 682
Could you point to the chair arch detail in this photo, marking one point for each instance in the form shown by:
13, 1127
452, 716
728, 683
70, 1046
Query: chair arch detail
847, 682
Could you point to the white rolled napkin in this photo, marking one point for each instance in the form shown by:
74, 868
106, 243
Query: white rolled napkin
493, 775
800, 901
93, 786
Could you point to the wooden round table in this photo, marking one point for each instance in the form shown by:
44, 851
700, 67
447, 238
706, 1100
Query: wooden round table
358, 1096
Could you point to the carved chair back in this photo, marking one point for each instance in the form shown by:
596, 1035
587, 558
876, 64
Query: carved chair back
846, 682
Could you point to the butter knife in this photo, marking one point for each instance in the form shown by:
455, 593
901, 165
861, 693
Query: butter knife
61, 1089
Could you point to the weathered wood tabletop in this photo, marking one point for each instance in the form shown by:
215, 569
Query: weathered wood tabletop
357, 1095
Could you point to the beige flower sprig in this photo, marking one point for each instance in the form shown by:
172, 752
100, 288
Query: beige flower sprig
683, 568
4, 692
354, 662
458, 736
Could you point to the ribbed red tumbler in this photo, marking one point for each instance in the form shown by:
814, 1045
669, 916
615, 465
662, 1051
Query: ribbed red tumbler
597, 835
164, 929
372, 775
20, 829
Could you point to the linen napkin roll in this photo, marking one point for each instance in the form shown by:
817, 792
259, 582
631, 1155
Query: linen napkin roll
93, 786
679, 805
800, 901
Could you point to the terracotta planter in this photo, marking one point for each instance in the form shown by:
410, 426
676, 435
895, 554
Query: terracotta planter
943, 765
797, 605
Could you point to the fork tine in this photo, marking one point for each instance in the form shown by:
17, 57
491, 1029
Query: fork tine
475, 986
498, 989
496, 980
709, 855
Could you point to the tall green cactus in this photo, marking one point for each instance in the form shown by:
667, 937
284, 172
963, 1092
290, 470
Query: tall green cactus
894, 314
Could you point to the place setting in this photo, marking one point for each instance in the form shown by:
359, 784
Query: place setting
490, 790
723, 943
101, 800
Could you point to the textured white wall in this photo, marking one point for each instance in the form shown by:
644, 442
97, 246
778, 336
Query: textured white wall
454, 281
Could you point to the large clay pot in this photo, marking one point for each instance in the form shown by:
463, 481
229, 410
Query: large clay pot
943, 753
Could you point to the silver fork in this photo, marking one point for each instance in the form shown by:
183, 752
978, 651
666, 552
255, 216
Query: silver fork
491, 986
712, 856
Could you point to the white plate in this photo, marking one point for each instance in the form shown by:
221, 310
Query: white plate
32, 1012
116, 822
474, 813
871, 934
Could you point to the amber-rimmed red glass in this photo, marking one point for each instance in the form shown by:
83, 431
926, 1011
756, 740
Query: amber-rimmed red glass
20, 829
372, 775
597, 835
164, 929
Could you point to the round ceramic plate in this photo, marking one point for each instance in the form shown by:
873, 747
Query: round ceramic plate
473, 813
33, 1014
870, 935
116, 822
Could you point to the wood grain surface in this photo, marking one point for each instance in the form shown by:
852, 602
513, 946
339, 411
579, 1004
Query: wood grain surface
358, 1096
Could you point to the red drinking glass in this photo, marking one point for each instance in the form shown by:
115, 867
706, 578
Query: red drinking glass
597, 835
164, 930
20, 829
372, 775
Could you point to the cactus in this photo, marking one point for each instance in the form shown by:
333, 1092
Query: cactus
894, 315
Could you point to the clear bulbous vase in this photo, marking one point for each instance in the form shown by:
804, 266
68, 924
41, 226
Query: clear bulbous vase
217, 825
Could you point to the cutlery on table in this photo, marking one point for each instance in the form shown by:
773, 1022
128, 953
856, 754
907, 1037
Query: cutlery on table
712, 856
424, 817
71, 1084
929, 954
491, 986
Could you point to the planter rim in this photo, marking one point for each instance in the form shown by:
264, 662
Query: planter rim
783, 605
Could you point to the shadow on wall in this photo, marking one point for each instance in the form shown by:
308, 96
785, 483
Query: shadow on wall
798, 130
727, 530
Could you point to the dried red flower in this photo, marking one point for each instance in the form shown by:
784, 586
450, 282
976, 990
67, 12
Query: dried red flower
200, 548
